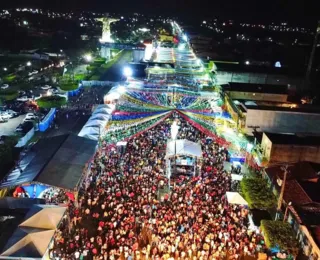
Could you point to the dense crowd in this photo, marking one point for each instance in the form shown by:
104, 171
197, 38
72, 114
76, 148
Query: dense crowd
126, 210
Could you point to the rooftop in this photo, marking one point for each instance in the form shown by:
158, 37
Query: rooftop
259, 69
257, 88
57, 161
300, 171
294, 139
275, 106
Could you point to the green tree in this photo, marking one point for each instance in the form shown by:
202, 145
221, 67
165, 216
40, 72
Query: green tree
279, 234
257, 193
51, 101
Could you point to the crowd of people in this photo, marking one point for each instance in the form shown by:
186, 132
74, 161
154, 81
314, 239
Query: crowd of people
127, 208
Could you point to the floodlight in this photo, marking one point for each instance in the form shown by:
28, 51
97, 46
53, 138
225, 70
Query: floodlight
127, 72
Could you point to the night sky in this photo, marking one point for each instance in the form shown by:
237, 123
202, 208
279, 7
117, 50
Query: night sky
297, 11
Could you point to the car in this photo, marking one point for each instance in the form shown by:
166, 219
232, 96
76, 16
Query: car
31, 116
3, 120
4, 86
28, 120
19, 128
5, 115
22, 99
46, 87
12, 113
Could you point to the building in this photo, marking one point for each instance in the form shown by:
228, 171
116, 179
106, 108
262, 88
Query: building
276, 117
241, 73
246, 91
290, 148
301, 200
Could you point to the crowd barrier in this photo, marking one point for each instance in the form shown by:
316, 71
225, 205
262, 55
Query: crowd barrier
45, 123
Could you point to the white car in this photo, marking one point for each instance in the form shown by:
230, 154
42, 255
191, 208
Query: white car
31, 116
4, 86
28, 120
46, 87
23, 99
12, 113
5, 115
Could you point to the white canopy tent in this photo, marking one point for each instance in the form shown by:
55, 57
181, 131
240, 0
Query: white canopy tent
33, 236
183, 147
236, 198
97, 122
236, 177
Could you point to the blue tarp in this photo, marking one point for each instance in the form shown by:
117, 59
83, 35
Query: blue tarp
34, 190
75, 92
45, 123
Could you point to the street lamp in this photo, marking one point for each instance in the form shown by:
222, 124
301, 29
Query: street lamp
28, 63
127, 72
5, 69
247, 62
88, 57
174, 133
286, 212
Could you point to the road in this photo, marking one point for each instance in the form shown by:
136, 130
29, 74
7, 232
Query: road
9, 127
114, 73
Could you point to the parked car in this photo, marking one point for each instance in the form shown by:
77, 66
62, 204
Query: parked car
28, 120
19, 128
3, 120
31, 116
22, 99
4, 86
12, 113
5, 115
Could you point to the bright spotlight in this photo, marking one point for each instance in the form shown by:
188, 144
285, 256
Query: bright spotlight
184, 37
127, 72
121, 89
88, 57
28, 63
247, 62
5, 69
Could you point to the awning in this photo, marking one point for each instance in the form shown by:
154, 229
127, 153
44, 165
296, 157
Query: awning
236, 177
236, 198
183, 147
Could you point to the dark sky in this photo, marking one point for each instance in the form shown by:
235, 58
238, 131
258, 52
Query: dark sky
293, 10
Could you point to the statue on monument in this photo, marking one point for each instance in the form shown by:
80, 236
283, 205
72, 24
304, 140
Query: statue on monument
106, 31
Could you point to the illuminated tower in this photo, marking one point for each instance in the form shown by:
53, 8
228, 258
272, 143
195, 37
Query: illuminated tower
106, 35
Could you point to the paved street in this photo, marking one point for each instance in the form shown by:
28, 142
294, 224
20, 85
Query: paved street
9, 127
114, 73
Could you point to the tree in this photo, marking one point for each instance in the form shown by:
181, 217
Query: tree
279, 234
257, 193
51, 101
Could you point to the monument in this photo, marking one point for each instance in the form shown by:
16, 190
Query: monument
106, 36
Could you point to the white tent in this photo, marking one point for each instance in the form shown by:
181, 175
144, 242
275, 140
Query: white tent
183, 147
236, 198
33, 236
236, 177
97, 122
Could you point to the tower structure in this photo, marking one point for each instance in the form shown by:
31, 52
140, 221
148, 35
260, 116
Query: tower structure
106, 35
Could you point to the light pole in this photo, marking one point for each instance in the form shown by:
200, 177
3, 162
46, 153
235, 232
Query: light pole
286, 212
174, 133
